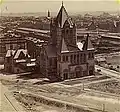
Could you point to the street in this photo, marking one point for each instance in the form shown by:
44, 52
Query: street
108, 72
5, 104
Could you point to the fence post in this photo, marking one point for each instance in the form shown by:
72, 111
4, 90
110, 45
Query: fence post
83, 86
65, 106
103, 108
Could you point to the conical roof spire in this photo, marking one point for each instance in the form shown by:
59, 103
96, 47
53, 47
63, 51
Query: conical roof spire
88, 45
62, 3
62, 16
48, 13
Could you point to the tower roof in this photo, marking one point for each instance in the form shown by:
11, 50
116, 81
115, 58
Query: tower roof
48, 13
64, 47
62, 16
88, 45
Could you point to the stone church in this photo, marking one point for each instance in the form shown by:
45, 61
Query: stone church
63, 58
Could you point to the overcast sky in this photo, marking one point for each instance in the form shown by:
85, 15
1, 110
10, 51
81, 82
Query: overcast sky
20, 6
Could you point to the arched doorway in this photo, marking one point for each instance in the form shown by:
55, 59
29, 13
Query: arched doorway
65, 74
91, 70
78, 72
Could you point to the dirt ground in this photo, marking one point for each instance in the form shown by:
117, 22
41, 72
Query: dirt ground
29, 93
112, 86
112, 61
22, 90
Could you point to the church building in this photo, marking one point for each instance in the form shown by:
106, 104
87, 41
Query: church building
63, 58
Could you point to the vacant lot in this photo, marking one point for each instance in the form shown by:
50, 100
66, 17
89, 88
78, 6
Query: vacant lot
61, 97
112, 86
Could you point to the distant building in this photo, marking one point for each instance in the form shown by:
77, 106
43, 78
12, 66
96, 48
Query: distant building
18, 61
63, 58
13, 43
34, 46
92, 26
117, 26
100, 60
48, 16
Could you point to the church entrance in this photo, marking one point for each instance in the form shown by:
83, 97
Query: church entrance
65, 74
78, 72
91, 70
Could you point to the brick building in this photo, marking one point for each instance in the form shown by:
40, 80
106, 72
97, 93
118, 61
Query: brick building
63, 58
18, 61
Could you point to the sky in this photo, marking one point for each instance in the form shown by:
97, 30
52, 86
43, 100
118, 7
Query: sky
20, 6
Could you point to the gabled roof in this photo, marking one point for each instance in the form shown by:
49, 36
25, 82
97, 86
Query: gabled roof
10, 53
62, 17
88, 45
17, 54
64, 47
115, 24
70, 22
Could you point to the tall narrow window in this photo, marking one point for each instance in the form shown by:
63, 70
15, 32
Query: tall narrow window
77, 58
66, 58
84, 57
67, 31
93, 55
71, 31
50, 61
59, 58
71, 58
81, 58
63, 58
89, 55
74, 58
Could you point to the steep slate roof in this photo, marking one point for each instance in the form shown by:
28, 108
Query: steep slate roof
17, 54
64, 47
72, 48
88, 45
62, 17
9, 53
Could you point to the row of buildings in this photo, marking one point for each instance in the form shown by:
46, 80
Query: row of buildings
60, 58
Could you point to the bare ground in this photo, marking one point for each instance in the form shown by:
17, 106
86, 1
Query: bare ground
30, 95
